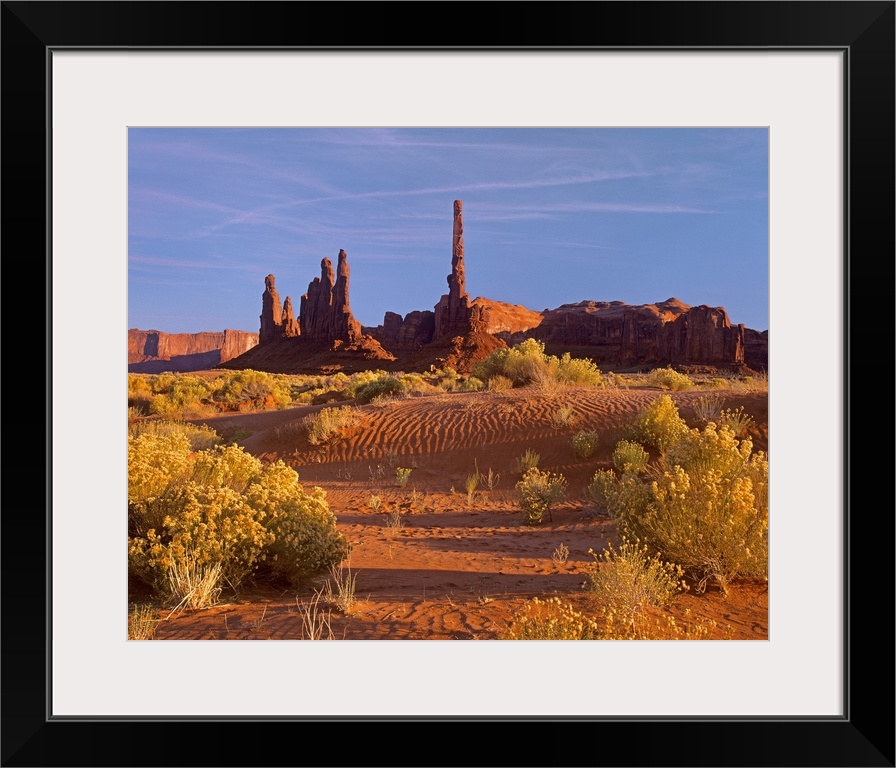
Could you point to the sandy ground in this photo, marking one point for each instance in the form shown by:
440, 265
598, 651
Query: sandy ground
458, 568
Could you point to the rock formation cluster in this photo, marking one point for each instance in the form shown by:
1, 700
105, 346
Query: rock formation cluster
324, 312
276, 322
460, 331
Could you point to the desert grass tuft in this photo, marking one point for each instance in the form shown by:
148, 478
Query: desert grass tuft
528, 460
142, 623
340, 588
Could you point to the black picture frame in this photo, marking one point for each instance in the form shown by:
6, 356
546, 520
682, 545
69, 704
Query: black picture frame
864, 31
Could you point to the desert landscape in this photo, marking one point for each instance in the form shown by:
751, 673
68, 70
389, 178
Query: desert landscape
468, 469
430, 560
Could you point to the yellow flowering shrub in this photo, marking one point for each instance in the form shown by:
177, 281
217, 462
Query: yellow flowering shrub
707, 511
154, 462
204, 526
526, 363
628, 581
630, 456
305, 538
200, 520
200, 436
669, 378
225, 466
659, 424
249, 390
551, 619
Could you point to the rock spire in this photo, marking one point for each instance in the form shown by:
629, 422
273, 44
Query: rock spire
455, 315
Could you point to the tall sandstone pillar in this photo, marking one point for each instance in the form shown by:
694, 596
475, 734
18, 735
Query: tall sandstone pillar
454, 315
271, 313
343, 325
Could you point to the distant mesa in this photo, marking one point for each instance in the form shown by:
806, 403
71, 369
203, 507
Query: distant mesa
666, 333
156, 352
326, 337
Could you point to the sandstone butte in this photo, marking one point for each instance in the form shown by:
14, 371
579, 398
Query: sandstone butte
458, 331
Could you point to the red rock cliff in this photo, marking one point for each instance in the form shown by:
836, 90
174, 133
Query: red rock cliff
155, 351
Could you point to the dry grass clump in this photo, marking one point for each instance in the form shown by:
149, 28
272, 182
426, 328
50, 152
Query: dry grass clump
340, 588
327, 423
316, 624
498, 383
708, 407
560, 554
562, 418
393, 521
528, 460
142, 623
470, 485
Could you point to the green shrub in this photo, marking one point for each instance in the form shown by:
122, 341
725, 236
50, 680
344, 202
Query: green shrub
154, 463
707, 511
659, 425
328, 422
402, 475
667, 378
306, 540
180, 396
538, 492
249, 390
384, 386
630, 457
599, 492
574, 371
527, 461
472, 384
526, 363
629, 581
584, 444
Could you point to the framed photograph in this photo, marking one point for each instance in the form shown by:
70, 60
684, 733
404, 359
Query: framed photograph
818, 77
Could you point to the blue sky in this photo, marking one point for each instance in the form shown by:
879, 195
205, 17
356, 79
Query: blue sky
551, 216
